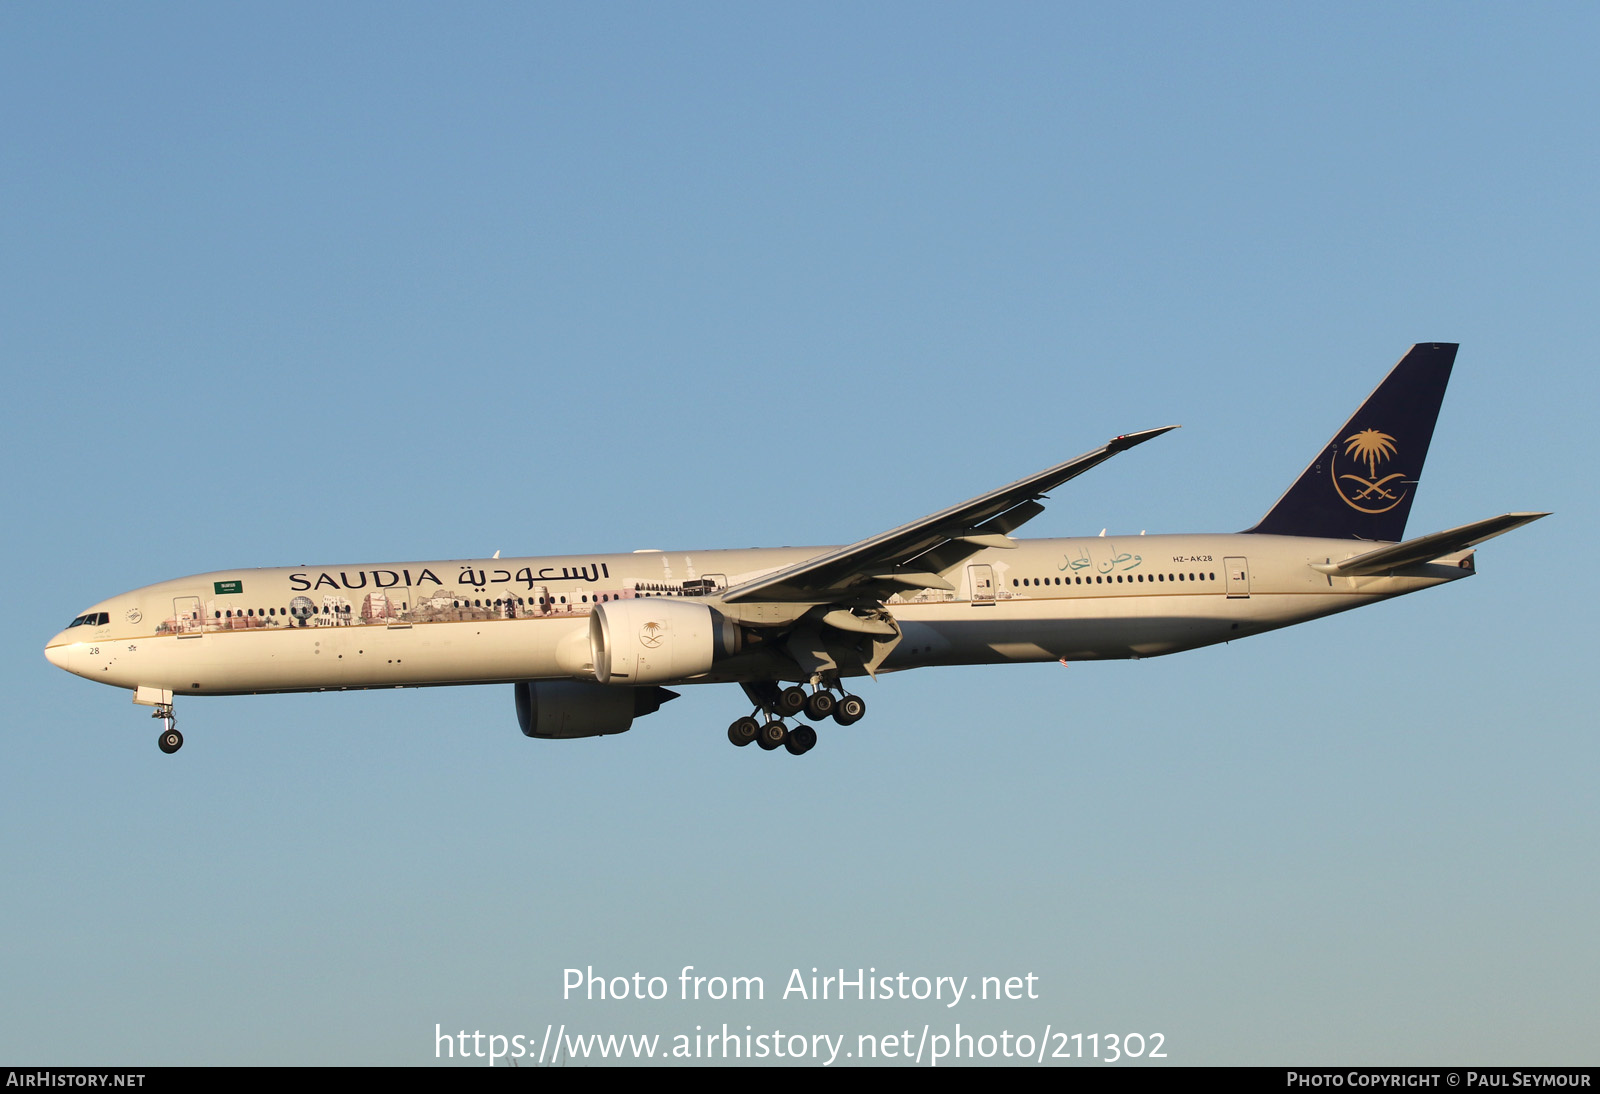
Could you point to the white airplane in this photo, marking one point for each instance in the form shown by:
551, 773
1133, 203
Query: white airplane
588, 642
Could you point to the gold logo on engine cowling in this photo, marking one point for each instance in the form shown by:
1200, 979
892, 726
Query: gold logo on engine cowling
650, 635
1368, 493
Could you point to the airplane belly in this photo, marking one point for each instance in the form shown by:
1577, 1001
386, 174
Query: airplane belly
1097, 628
1085, 628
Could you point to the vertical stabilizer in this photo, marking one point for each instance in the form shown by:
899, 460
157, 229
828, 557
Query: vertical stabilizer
1363, 481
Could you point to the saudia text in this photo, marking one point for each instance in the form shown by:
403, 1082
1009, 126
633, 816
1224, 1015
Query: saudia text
478, 579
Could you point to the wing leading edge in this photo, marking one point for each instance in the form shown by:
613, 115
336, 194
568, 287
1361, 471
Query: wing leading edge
914, 555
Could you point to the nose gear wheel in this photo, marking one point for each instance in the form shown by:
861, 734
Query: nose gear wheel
170, 739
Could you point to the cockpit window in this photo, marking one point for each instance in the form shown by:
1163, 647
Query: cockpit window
90, 619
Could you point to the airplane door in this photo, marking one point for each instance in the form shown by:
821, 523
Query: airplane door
1238, 570
981, 580
186, 618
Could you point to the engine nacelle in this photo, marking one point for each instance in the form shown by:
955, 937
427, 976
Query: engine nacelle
571, 708
653, 640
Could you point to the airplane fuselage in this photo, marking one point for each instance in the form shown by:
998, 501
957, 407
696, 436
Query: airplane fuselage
314, 628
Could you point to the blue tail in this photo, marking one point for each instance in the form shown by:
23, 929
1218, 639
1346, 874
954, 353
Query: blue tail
1361, 485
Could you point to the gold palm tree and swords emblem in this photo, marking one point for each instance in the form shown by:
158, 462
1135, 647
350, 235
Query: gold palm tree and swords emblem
650, 635
1370, 493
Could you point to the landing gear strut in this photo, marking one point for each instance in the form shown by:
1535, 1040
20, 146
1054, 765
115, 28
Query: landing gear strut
170, 740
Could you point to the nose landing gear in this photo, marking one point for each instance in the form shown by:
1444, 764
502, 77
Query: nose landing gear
170, 739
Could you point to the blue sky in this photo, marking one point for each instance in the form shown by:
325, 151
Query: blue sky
379, 282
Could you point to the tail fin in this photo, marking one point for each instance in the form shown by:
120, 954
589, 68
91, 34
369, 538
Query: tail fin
1361, 485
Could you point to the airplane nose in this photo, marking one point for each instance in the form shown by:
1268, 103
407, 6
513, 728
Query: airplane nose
56, 653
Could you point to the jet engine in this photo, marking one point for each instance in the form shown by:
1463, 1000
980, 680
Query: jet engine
653, 640
572, 708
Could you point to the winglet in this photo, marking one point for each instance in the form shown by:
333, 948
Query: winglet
1129, 440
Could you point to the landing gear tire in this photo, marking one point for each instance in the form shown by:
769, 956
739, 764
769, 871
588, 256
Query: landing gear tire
820, 705
169, 741
744, 731
772, 735
792, 701
802, 739
849, 710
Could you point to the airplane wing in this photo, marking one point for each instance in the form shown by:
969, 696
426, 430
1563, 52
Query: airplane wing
1427, 548
913, 555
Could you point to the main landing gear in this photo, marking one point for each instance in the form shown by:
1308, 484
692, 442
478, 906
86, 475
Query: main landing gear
789, 703
170, 740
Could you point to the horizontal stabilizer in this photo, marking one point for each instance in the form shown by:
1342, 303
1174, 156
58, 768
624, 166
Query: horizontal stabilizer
1426, 548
